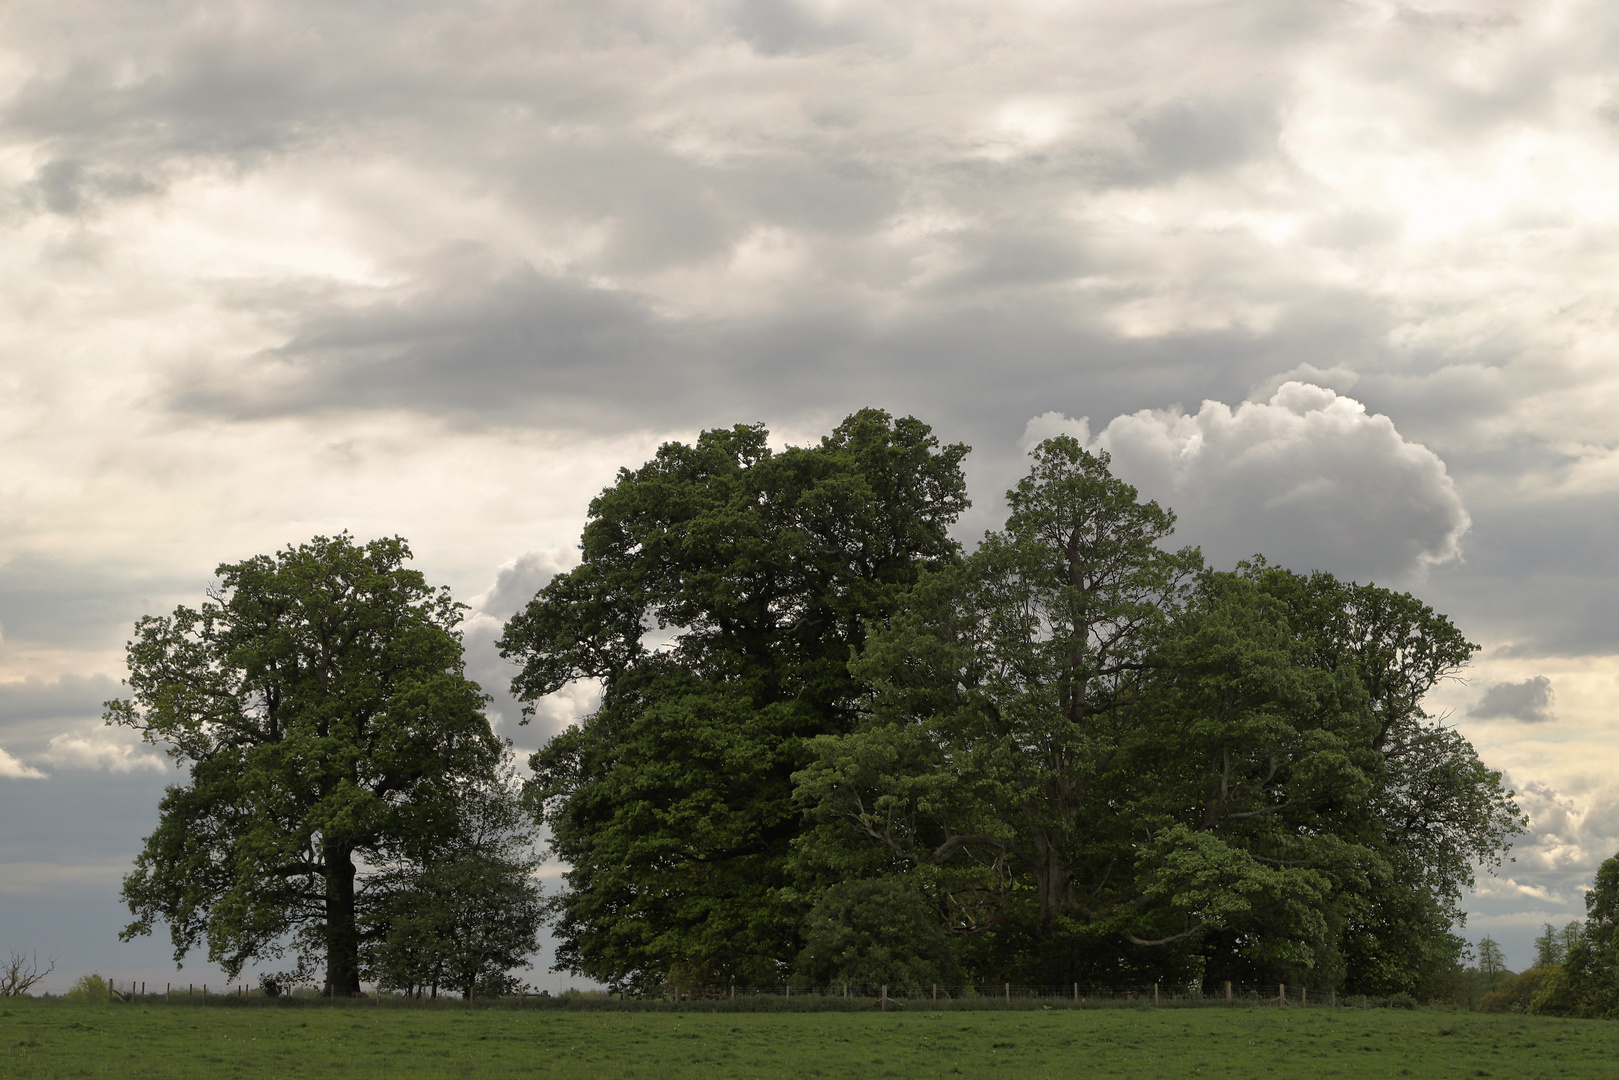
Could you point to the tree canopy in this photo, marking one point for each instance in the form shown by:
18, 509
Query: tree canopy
1106, 763
319, 702
721, 591
832, 747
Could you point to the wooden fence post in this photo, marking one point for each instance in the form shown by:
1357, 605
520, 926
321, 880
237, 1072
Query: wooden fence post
1304, 999
1228, 991
1076, 993
935, 991
885, 997
1009, 993
1281, 993
1155, 995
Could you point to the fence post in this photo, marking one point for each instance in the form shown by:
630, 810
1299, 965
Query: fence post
1281, 993
935, 991
1155, 995
1332, 998
1076, 993
885, 997
1304, 998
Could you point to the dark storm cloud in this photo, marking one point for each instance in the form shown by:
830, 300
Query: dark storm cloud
1529, 701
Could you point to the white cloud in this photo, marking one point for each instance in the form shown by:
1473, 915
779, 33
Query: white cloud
12, 769
1309, 479
111, 749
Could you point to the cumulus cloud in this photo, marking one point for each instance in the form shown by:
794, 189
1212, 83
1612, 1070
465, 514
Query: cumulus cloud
1529, 701
12, 769
1568, 837
517, 580
102, 748
1308, 478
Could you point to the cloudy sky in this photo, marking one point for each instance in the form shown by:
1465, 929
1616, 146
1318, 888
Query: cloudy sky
1333, 278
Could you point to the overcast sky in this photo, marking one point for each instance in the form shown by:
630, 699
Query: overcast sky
1336, 279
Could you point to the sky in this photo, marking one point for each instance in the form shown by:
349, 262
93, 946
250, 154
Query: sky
1334, 279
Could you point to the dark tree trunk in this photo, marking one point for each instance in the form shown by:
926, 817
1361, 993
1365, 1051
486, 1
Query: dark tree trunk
342, 933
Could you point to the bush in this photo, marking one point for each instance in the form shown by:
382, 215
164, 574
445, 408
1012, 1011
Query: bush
1516, 992
88, 988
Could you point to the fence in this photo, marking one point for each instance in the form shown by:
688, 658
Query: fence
845, 997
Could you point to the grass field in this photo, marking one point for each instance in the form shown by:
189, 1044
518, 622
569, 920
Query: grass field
47, 1038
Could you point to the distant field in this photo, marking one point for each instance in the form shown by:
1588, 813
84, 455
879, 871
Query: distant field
41, 1038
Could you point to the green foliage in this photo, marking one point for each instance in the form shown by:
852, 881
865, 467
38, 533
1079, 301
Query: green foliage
722, 589
1516, 993
1110, 765
1085, 756
88, 988
873, 932
319, 701
466, 911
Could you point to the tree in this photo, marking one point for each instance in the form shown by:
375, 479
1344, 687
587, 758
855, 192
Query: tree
319, 701
721, 590
22, 972
1492, 963
1101, 762
466, 911
1002, 693
1548, 947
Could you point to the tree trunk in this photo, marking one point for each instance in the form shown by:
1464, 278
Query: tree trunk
342, 934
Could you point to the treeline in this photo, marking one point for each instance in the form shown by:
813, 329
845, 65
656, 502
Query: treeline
831, 747
1576, 970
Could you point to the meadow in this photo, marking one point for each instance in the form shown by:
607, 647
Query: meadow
42, 1038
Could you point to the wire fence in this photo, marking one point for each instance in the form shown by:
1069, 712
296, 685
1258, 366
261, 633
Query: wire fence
845, 997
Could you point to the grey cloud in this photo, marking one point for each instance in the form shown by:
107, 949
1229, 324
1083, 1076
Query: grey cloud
59, 603
776, 27
1529, 701
1540, 578
1204, 135
517, 581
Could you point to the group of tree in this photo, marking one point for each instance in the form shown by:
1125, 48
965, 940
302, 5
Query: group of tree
833, 746
830, 746
1576, 970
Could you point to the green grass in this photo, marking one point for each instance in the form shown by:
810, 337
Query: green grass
44, 1038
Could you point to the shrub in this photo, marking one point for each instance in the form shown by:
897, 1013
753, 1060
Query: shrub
1515, 992
88, 988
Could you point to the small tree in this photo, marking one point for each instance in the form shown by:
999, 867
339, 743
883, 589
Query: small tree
464, 914
1549, 947
1492, 964
22, 972
875, 932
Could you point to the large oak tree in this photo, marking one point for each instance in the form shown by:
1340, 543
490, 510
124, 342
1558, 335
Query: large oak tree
319, 703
